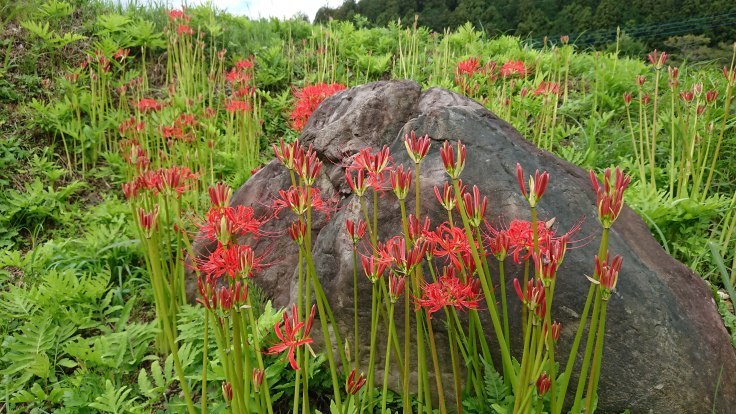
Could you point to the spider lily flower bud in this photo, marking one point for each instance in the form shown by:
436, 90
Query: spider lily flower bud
220, 195
396, 285
417, 228
355, 233
359, 185
401, 182
454, 165
373, 267
608, 274
537, 185
353, 383
475, 207
610, 195
227, 391
628, 96
555, 331
730, 75
307, 165
543, 384
147, 221
657, 59
297, 232
447, 199
286, 153
641, 79
257, 379
416, 147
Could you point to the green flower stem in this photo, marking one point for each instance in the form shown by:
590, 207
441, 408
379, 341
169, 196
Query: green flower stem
264, 388
520, 385
156, 279
455, 365
504, 307
405, 366
205, 360
386, 365
356, 347
436, 365
524, 310
372, 356
242, 362
597, 359
505, 354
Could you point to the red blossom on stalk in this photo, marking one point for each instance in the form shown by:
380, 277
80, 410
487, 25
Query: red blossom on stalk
396, 284
555, 331
358, 185
711, 95
545, 88
417, 229
513, 67
673, 75
227, 391
657, 59
610, 195
375, 165
257, 378
373, 266
416, 147
687, 96
535, 298
299, 199
549, 259
220, 195
395, 253
297, 232
628, 96
354, 383
447, 198
537, 185
401, 181
543, 384
175, 179
467, 67
308, 99
294, 334
355, 232
147, 221
223, 224
453, 165
236, 106
607, 272
448, 290
146, 105
475, 206
287, 153
307, 165
184, 29
641, 79
236, 261
449, 242
499, 244
730, 75
177, 15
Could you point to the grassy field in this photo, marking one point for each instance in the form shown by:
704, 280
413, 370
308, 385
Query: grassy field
112, 117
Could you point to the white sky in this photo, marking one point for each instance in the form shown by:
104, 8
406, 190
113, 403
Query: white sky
266, 8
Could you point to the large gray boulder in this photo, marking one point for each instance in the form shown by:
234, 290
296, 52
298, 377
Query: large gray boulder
666, 347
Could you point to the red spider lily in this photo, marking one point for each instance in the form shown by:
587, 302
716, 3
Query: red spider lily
184, 29
238, 77
220, 195
537, 185
730, 75
543, 384
610, 196
555, 331
416, 147
207, 293
534, 298
521, 238
122, 54
657, 59
687, 96
394, 252
130, 190
396, 284
641, 79
711, 96
564, 39
373, 266
298, 231
234, 260
628, 96
244, 64
499, 244
235, 106
513, 67
467, 67
645, 99
359, 185
175, 179
227, 391
673, 74
299, 199
149, 181
295, 334
355, 233
177, 15
287, 153
375, 165
607, 272
307, 165
147, 221
225, 224
257, 379
353, 384
418, 229
401, 181
146, 105
450, 242
447, 199
227, 297
546, 88
475, 207
448, 290
454, 166
308, 99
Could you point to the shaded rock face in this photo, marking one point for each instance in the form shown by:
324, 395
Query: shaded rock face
666, 349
